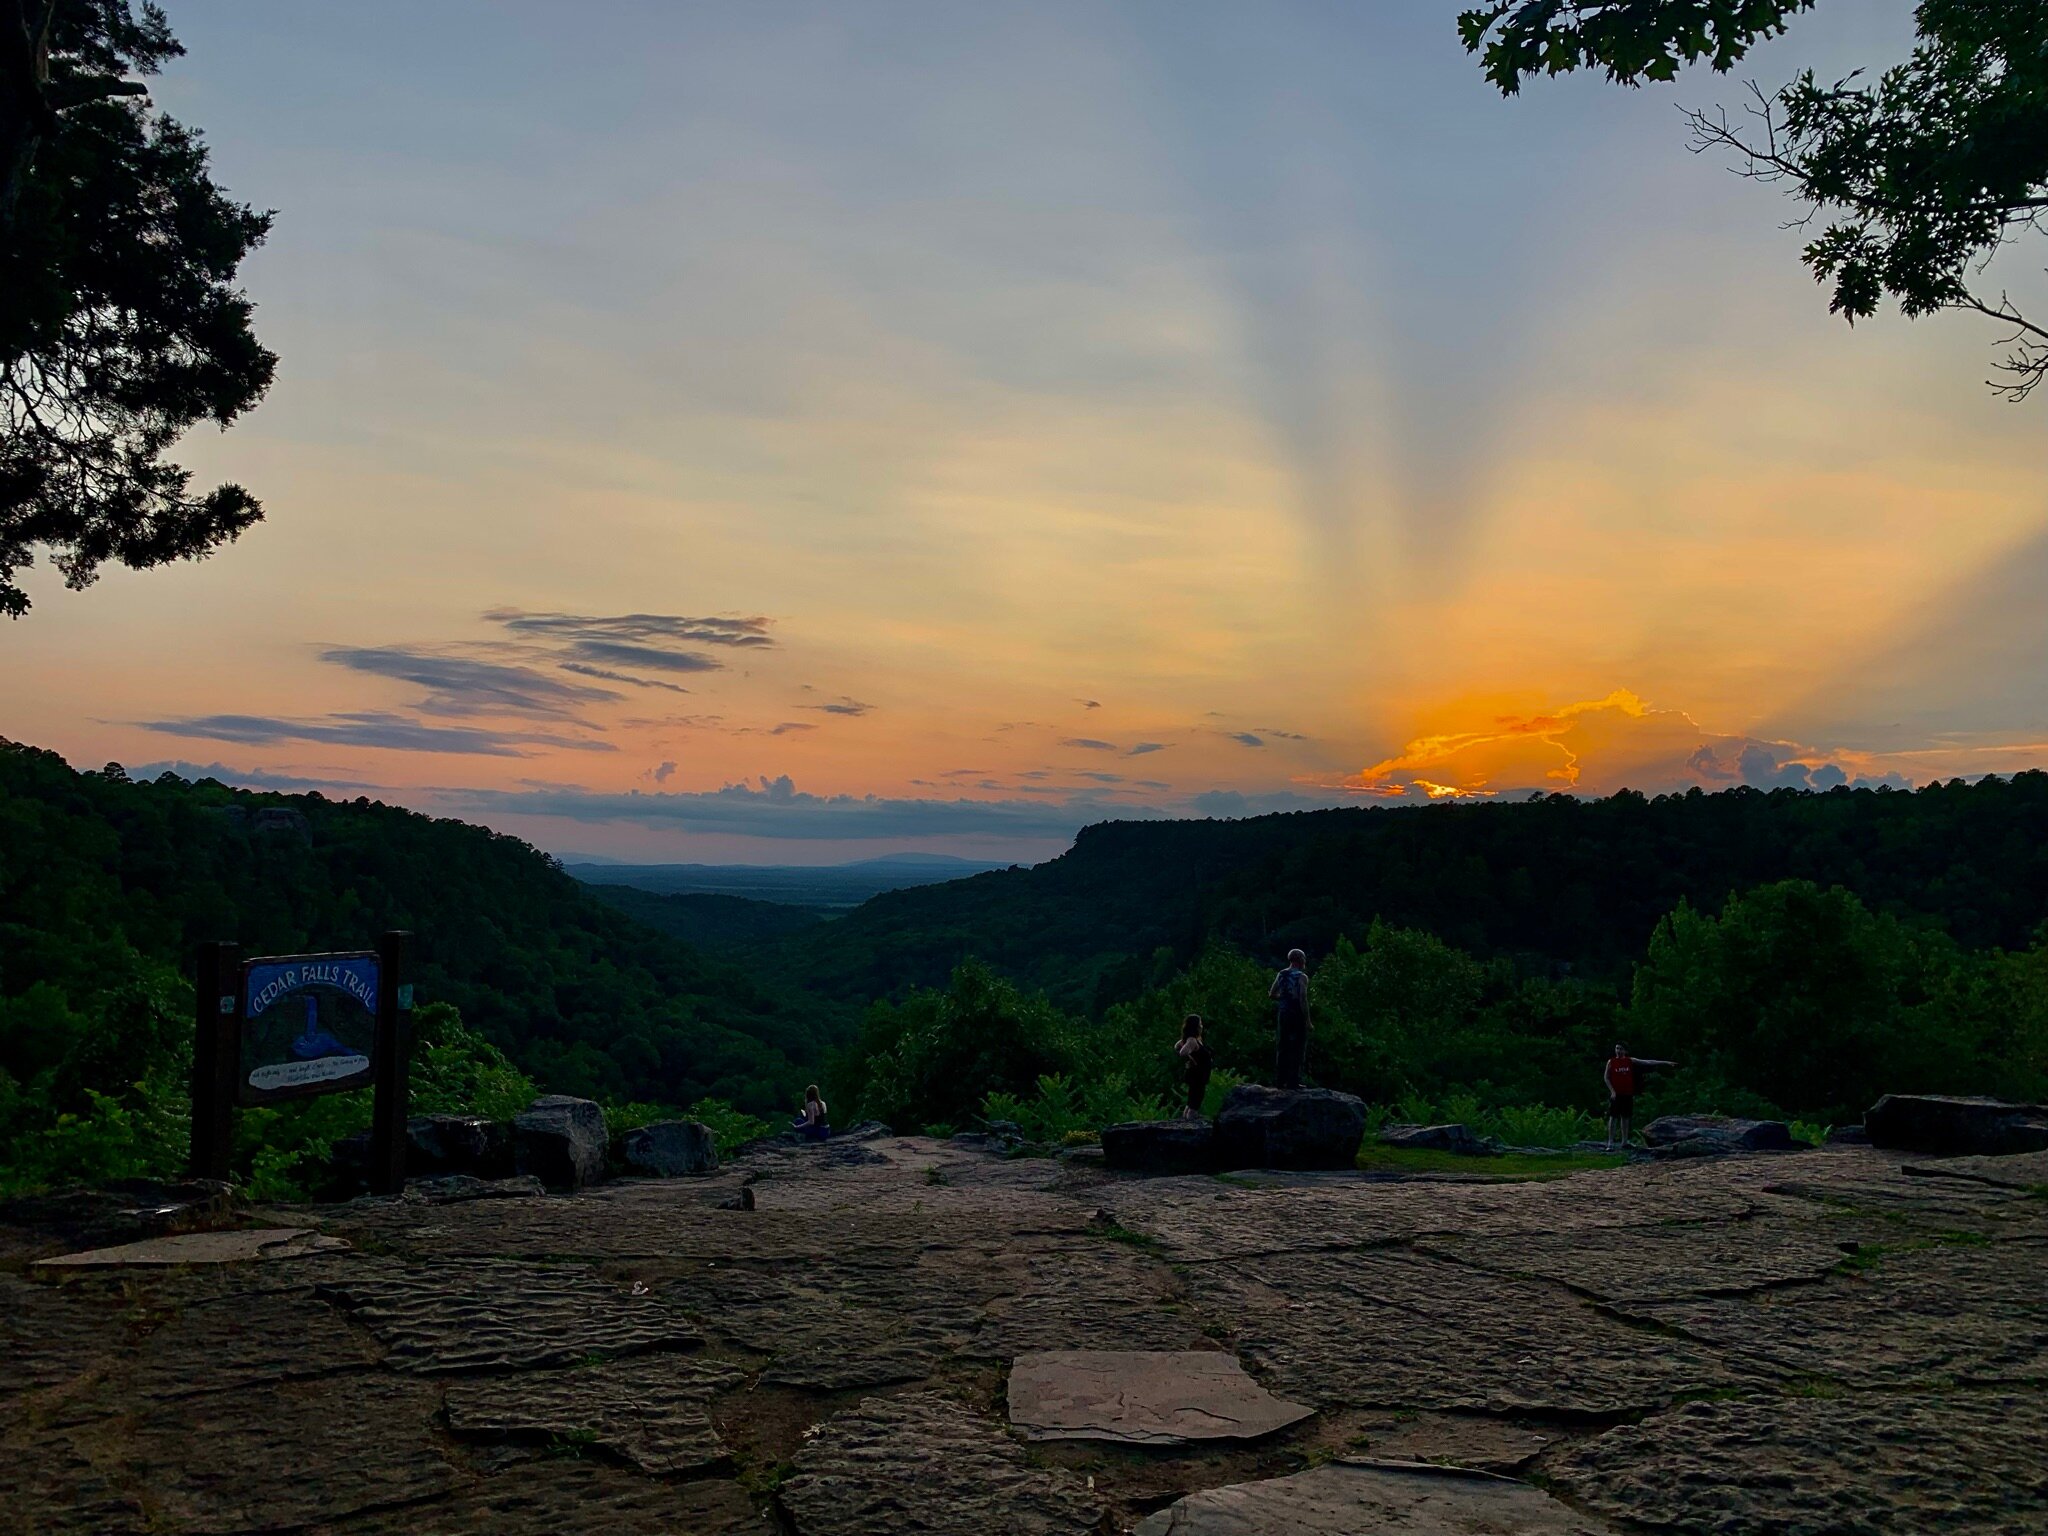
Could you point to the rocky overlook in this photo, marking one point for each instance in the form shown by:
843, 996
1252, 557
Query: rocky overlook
906, 1335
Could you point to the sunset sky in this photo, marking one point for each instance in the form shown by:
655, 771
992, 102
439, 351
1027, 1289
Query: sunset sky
793, 433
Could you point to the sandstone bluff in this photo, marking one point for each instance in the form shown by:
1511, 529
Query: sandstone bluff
1843, 1340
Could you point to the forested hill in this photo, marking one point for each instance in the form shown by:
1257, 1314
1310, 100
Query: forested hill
106, 886
1554, 882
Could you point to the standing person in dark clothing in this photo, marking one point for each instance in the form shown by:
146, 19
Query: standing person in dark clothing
1197, 1058
1290, 992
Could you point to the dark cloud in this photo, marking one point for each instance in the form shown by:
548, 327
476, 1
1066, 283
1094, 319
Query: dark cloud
1143, 747
674, 722
1088, 743
636, 628
461, 686
1149, 784
662, 772
658, 642
1279, 735
623, 654
841, 707
583, 670
1089, 703
1704, 763
1102, 778
1771, 765
789, 726
369, 729
1247, 738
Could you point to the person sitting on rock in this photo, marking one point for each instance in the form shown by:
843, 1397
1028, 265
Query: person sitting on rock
1290, 992
811, 1124
1197, 1059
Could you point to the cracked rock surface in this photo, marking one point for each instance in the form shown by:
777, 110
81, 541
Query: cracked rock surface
1142, 1397
1841, 1340
922, 1463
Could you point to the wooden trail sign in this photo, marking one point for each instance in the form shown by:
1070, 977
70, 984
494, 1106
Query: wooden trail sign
293, 1026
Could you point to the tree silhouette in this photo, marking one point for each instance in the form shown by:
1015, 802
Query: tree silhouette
120, 326
1919, 177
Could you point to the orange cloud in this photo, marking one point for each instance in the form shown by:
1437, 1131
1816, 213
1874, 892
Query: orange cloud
1597, 746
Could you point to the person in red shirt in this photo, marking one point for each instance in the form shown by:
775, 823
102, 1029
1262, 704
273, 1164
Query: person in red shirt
1623, 1076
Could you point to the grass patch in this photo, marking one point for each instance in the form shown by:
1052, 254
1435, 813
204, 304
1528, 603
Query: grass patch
1869, 1255
1376, 1158
573, 1446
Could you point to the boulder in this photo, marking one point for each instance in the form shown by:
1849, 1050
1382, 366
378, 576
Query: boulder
1261, 1127
1936, 1123
1438, 1138
1160, 1146
442, 1144
561, 1141
1714, 1135
668, 1148
1848, 1136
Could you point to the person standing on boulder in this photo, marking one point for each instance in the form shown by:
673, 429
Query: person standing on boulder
1290, 992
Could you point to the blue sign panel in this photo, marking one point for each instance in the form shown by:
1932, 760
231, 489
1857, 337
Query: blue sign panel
308, 1025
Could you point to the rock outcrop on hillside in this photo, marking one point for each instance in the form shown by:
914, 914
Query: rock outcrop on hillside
1836, 1340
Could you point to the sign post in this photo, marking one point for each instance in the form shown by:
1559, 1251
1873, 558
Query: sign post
293, 1026
392, 1055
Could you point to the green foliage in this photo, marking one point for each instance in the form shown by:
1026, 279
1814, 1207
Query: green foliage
1632, 40
122, 327
106, 887
1062, 1113
938, 1055
456, 1071
1807, 1000
728, 1126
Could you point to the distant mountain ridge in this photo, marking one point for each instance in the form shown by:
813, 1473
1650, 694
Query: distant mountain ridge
828, 887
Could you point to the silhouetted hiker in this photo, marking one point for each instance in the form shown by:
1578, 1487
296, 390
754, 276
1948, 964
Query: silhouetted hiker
1194, 1052
1290, 991
811, 1125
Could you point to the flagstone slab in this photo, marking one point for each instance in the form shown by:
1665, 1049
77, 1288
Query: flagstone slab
1143, 1397
1347, 1498
500, 1317
238, 1247
652, 1411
